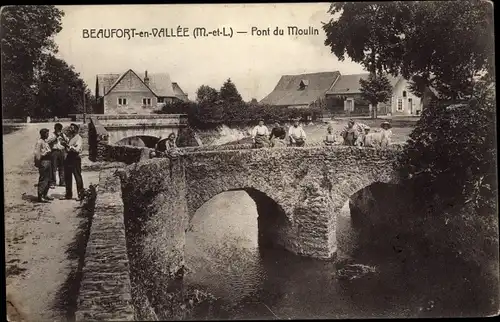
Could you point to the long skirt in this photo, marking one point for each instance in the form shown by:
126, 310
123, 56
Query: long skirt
262, 141
278, 143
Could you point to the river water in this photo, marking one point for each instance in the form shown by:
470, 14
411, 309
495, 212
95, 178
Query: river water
252, 282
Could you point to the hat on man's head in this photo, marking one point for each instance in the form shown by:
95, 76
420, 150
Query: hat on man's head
385, 124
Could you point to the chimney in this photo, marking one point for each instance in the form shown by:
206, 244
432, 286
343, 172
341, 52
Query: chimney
146, 78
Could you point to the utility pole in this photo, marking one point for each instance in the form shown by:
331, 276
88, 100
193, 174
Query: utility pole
84, 109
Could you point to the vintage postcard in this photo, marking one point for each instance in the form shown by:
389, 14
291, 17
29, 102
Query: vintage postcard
250, 161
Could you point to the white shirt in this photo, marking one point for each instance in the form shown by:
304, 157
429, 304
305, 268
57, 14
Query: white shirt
259, 130
296, 132
75, 144
42, 148
55, 142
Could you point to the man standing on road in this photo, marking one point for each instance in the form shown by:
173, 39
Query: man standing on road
297, 134
58, 155
43, 163
73, 163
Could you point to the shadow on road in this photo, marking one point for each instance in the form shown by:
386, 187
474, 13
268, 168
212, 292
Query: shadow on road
30, 198
66, 299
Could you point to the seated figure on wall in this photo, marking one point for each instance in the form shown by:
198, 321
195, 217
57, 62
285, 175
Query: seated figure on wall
278, 135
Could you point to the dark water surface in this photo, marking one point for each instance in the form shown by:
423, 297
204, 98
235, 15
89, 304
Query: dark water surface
254, 282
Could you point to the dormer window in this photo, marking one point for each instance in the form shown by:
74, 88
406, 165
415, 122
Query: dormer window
303, 84
404, 93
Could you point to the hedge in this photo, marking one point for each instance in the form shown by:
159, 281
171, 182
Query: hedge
205, 116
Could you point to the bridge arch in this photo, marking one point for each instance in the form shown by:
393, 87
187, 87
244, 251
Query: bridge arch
147, 141
273, 224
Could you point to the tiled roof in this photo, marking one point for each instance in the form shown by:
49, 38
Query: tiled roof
350, 83
288, 90
104, 83
159, 83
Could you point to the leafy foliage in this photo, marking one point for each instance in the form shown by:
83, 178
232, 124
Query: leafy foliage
60, 90
207, 94
376, 89
34, 82
441, 43
229, 94
204, 116
26, 34
452, 151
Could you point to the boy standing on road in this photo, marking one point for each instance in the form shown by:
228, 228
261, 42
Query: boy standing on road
43, 163
58, 154
73, 163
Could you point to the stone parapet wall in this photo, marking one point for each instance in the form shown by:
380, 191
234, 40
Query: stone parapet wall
128, 116
105, 290
121, 153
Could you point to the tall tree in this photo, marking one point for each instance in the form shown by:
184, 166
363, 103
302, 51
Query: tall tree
60, 90
440, 42
206, 94
376, 89
26, 34
229, 94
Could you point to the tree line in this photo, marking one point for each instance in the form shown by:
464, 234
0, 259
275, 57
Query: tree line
35, 82
214, 108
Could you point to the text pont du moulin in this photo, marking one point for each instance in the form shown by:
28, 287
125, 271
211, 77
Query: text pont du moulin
290, 31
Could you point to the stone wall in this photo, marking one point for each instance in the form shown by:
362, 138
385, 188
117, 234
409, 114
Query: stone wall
105, 290
155, 213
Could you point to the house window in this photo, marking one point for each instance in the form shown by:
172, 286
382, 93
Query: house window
410, 105
404, 93
122, 101
146, 101
160, 99
400, 104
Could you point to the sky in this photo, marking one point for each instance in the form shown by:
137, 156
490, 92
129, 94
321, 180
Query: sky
254, 63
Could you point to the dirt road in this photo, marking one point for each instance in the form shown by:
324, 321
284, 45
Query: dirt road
41, 240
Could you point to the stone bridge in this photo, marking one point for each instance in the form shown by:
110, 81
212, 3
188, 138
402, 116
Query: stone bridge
298, 194
140, 130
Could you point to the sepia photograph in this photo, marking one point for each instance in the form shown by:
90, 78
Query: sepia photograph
273, 161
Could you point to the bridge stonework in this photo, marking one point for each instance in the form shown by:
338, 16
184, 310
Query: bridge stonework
309, 186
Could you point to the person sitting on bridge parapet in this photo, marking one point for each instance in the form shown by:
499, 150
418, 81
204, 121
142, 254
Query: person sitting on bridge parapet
164, 145
278, 135
352, 131
170, 143
296, 134
330, 137
260, 135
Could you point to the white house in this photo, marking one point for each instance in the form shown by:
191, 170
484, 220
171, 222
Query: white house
345, 95
403, 102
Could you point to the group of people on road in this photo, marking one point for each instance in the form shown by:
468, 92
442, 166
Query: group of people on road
59, 155
261, 137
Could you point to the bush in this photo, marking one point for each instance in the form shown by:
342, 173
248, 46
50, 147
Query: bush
210, 116
453, 150
450, 158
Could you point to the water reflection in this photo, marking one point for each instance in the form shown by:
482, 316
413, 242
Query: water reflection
267, 283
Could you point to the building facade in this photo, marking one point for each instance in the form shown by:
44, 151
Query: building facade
345, 98
134, 93
341, 94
